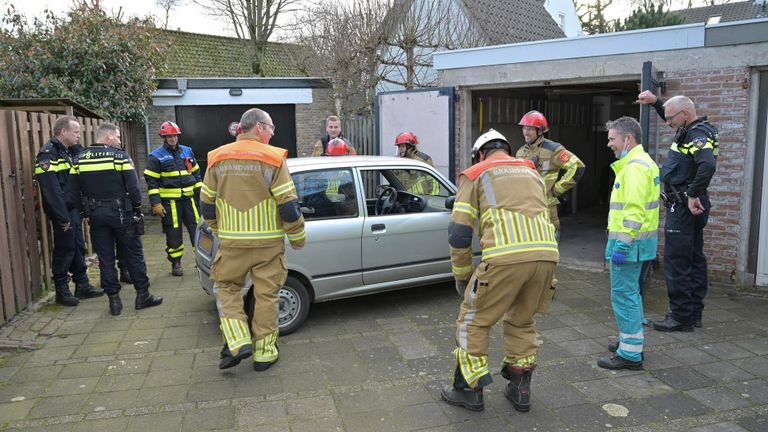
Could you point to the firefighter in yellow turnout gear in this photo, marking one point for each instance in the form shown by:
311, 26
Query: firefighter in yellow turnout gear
550, 158
505, 198
249, 201
416, 182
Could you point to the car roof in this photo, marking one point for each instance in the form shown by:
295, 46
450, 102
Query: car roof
304, 163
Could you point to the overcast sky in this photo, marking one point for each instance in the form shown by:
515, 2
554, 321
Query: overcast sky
192, 18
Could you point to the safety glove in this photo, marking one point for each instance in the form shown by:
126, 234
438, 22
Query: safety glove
620, 252
158, 210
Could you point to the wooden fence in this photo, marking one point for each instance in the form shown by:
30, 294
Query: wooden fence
25, 233
361, 133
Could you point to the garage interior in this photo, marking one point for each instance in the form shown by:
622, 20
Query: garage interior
576, 115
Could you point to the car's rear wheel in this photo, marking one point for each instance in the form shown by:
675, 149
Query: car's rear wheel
292, 302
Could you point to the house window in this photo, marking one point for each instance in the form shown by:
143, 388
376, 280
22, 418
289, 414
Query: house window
714, 19
562, 20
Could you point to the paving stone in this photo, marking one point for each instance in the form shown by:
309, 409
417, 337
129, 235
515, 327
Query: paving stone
104, 337
726, 351
690, 356
260, 413
561, 334
676, 405
40, 373
757, 366
642, 385
317, 425
165, 421
557, 395
111, 400
582, 347
221, 418
754, 424
48, 355
602, 390
719, 398
683, 378
413, 345
639, 413
57, 406
119, 382
321, 406
162, 395
583, 417
13, 411
597, 330
724, 372
372, 421
576, 372
84, 369
720, 427
71, 386
28, 390
210, 391
128, 366
658, 360
106, 424
756, 390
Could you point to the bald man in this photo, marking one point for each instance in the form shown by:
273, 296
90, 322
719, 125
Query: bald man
686, 172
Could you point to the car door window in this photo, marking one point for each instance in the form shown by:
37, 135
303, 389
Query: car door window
326, 194
418, 191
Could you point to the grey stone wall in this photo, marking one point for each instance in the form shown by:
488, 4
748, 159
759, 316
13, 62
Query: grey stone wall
310, 120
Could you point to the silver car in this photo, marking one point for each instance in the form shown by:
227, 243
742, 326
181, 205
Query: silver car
373, 224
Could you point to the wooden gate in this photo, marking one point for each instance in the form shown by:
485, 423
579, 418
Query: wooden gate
25, 233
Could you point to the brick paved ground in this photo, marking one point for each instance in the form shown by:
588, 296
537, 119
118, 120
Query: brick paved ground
373, 364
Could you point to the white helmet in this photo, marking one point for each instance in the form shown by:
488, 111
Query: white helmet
489, 137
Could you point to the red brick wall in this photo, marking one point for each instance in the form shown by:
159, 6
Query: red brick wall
722, 95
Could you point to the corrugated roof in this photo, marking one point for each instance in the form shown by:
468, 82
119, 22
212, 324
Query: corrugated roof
729, 12
513, 21
201, 55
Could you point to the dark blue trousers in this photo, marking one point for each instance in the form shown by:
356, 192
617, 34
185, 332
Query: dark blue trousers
69, 252
685, 266
109, 228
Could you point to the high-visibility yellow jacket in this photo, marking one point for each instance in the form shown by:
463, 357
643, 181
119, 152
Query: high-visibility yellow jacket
633, 217
172, 173
551, 157
248, 197
505, 198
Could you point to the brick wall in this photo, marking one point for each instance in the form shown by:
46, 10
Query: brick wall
723, 96
310, 120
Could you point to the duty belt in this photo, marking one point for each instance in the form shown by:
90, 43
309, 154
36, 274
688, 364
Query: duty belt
114, 203
674, 195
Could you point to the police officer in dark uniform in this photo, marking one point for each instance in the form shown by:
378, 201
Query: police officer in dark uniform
104, 177
686, 173
173, 185
51, 172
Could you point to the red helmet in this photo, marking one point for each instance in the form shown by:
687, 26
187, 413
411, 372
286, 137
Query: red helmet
169, 128
406, 138
337, 147
535, 119
238, 129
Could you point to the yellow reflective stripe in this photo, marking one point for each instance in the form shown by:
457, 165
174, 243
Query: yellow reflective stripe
153, 191
210, 193
174, 214
197, 185
265, 349
472, 367
91, 167
461, 270
258, 222
283, 188
194, 210
465, 207
150, 173
297, 236
172, 173
236, 333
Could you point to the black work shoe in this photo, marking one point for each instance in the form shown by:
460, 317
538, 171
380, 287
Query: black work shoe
65, 298
670, 325
616, 362
125, 277
262, 366
115, 304
697, 323
467, 398
176, 269
145, 300
614, 346
227, 360
85, 291
518, 390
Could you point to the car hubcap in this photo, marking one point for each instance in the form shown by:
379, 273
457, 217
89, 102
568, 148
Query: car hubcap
289, 306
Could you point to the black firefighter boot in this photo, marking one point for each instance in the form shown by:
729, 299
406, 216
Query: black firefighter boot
125, 277
460, 394
115, 305
176, 269
145, 300
84, 290
518, 390
64, 296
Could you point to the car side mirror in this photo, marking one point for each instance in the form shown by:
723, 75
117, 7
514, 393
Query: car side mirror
449, 202
307, 210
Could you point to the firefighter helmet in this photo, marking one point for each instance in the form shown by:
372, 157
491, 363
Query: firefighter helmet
337, 147
489, 140
169, 128
406, 138
535, 119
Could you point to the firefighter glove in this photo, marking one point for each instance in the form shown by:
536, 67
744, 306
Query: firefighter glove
158, 210
461, 286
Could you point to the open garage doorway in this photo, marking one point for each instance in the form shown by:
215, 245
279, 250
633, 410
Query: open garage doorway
576, 116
